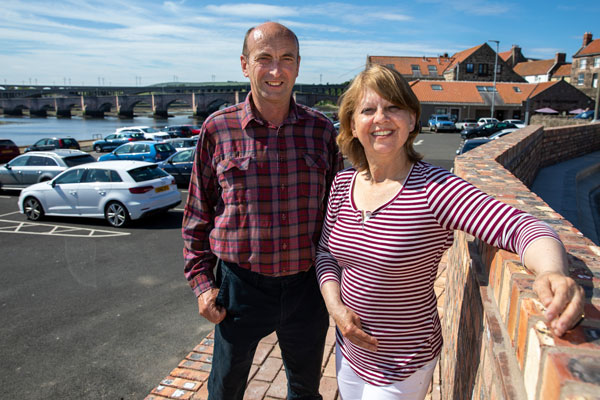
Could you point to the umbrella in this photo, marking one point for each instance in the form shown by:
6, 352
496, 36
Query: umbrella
577, 111
546, 110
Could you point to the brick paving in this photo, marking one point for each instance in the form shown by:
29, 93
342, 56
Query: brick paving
267, 380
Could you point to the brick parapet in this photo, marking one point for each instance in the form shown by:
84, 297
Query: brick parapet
496, 343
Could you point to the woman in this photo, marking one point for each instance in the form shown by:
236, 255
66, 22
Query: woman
389, 220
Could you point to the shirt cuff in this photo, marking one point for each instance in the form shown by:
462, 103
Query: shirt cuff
202, 282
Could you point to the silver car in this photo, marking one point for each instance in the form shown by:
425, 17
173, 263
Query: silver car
39, 166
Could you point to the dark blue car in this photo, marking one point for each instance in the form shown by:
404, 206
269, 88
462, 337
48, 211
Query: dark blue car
142, 151
111, 142
179, 166
589, 114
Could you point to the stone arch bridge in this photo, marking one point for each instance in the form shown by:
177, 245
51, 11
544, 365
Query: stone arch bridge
202, 104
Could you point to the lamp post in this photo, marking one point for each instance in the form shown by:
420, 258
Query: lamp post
495, 70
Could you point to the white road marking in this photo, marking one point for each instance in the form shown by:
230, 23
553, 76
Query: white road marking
10, 213
419, 142
34, 228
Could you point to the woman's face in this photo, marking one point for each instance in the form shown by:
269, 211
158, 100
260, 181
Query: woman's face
381, 127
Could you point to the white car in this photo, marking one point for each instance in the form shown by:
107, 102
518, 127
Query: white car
148, 132
501, 133
483, 121
118, 191
517, 122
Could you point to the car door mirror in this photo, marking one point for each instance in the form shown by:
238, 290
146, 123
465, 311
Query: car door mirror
52, 183
7, 166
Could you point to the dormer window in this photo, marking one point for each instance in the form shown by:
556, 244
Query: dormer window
432, 70
436, 87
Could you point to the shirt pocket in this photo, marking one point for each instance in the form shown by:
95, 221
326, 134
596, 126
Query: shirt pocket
311, 175
233, 174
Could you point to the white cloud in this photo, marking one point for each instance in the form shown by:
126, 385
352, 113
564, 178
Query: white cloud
252, 10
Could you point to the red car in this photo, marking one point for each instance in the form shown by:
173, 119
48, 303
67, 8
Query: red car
8, 150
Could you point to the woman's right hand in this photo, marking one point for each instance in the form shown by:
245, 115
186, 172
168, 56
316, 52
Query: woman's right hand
348, 322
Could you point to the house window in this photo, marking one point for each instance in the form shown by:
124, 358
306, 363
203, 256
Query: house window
583, 63
416, 71
441, 111
499, 69
390, 66
470, 67
597, 62
485, 88
595, 80
580, 79
432, 70
517, 89
483, 69
436, 87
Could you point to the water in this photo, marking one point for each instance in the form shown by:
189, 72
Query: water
25, 131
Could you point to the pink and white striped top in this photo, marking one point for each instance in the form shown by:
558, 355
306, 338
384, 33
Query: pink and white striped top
386, 264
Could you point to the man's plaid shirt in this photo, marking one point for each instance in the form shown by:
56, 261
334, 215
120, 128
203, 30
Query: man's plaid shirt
258, 193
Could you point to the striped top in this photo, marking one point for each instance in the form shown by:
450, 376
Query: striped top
258, 192
386, 264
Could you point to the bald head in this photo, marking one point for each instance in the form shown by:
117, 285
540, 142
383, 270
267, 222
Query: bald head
267, 31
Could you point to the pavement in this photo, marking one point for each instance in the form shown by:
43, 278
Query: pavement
267, 380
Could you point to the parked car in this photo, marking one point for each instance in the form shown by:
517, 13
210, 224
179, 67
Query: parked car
54, 143
40, 166
179, 165
439, 123
114, 140
589, 114
148, 132
517, 122
466, 124
182, 131
8, 150
182, 143
470, 144
485, 130
118, 191
483, 121
141, 151
501, 133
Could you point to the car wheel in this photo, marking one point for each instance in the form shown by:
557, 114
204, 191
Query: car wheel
33, 209
116, 214
98, 148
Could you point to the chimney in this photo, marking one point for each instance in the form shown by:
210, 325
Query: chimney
587, 39
560, 58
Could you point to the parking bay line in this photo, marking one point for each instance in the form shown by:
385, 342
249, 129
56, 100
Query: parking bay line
31, 228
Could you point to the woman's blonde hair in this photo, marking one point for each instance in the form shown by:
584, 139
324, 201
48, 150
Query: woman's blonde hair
390, 85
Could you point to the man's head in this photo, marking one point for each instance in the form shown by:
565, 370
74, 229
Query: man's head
271, 60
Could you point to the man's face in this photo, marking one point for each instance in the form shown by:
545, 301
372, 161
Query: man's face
271, 65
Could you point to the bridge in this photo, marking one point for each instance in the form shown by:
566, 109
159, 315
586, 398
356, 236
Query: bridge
96, 101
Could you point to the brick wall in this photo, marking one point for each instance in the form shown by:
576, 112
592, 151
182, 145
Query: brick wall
497, 345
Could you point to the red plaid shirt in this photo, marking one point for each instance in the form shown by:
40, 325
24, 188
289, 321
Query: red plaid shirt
257, 194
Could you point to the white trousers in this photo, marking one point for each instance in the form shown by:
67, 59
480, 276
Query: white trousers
353, 387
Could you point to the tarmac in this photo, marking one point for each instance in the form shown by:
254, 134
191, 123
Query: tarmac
267, 380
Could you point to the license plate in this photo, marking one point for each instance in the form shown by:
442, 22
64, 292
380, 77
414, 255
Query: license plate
161, 189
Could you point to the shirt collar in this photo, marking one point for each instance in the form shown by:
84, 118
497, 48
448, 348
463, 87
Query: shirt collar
295, 113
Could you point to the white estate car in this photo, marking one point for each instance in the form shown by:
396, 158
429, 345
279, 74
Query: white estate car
483, 121
148, 132
118, 191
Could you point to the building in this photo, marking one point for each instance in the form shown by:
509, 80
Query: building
513, 56
586, 66
543, 70
513, 100
414, 67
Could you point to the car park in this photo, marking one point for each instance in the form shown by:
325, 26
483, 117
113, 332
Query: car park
54, 143
182, 131
465, 124
501, 133
179, 165
182, 143
114, 140
118, 191
148, 132
517, 122
484, 121
8, 150
441, 122
142, 151
485, 130
470, 144
39, 166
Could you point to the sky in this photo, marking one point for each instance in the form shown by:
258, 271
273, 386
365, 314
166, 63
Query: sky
145, 42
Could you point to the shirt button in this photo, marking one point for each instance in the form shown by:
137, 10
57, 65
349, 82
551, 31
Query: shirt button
284, 246
283, 217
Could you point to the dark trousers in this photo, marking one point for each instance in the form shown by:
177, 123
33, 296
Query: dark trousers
257, 305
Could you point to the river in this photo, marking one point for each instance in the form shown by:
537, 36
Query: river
25, 131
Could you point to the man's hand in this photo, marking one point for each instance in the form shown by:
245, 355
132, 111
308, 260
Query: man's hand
563, 299
208, 308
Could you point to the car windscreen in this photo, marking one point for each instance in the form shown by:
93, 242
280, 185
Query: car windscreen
147, 173
78, 160
69, 142
6, 143
443, 119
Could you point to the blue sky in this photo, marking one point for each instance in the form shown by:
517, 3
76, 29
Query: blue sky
133, 42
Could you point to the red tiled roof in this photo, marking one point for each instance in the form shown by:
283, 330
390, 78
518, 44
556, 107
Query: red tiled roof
540, 87
505, 55
463, 55
404, 64
563, 70
528, 68
589, 50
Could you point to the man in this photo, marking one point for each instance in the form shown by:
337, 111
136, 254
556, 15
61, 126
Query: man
254, 211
